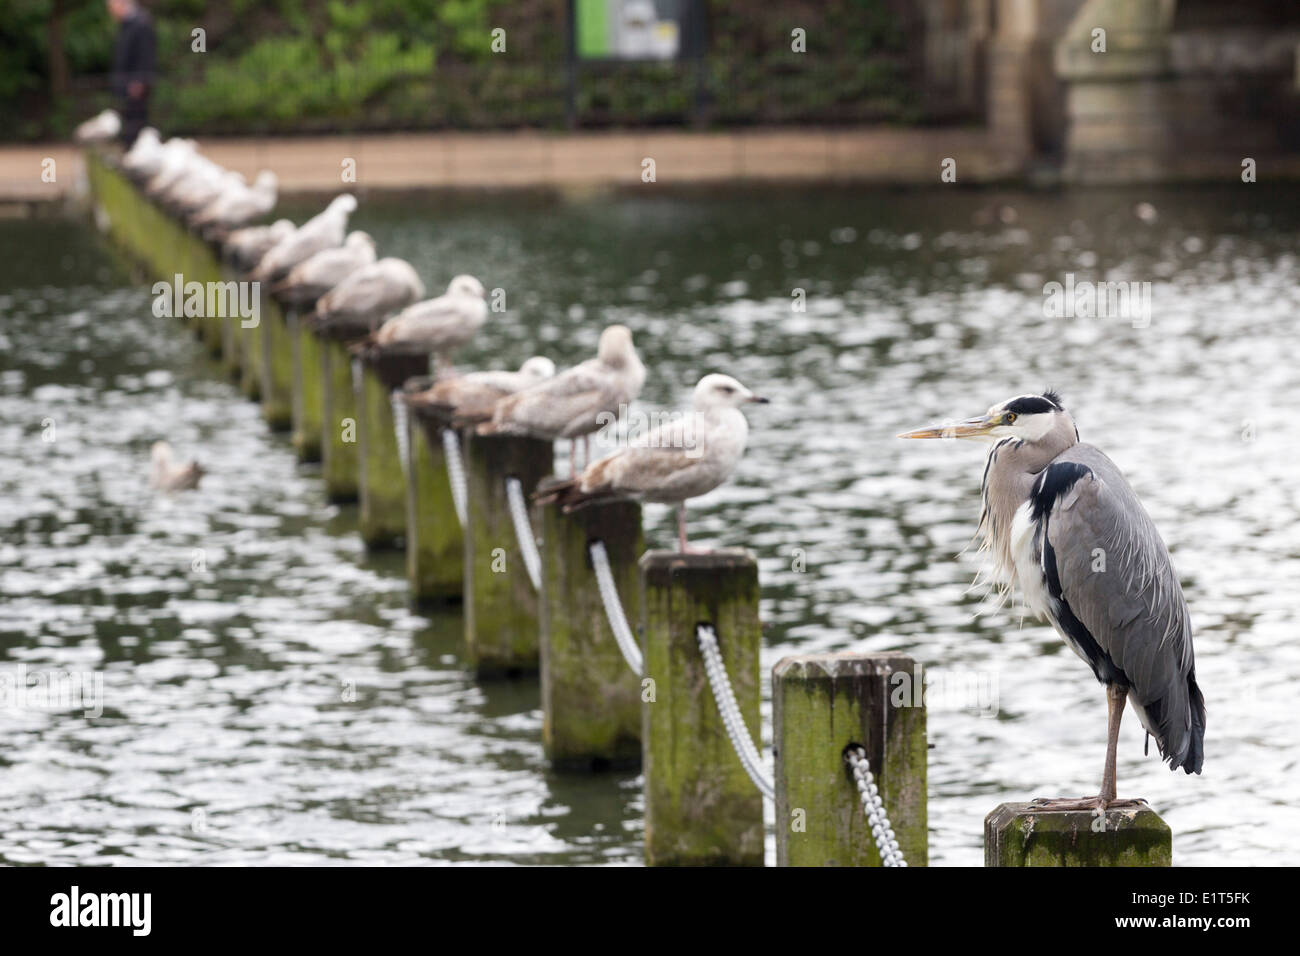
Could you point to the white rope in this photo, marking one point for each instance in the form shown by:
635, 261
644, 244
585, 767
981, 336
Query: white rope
455, 471
614, 608
874, 807
730, 710
401, 412
524, 531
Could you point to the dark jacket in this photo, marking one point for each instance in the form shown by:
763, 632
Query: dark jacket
135, 54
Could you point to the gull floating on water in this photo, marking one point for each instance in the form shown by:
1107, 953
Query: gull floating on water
166, 475
316, 275
323, 231
683, 458
365, 298
245, 247
100, 129
439, 325
240, 205
571, 404
469, 399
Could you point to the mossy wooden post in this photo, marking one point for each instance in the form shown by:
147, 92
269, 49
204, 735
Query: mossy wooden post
308, 392
500, 603
700, 806
435, 545
277, 368
1020, 834
232, 358
252, 351
381, 480
340, 458
821, 703
591, 700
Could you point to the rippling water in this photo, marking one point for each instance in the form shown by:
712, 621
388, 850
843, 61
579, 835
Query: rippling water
226, 624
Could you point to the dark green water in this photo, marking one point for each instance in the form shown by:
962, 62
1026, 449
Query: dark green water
224, 738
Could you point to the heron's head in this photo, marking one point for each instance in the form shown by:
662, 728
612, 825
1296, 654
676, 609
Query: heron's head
537, 369
722, 391
466, 285
1028, 418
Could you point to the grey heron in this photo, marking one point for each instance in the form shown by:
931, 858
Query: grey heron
1063, 524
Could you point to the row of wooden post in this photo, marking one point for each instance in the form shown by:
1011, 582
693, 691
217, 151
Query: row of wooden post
700, 806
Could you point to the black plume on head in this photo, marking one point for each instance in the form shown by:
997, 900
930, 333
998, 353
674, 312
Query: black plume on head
1053, 396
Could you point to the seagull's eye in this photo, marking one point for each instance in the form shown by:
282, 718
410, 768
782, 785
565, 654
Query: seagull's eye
726, 389
1010, 418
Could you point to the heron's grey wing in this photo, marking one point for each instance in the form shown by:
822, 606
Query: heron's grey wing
1118, 596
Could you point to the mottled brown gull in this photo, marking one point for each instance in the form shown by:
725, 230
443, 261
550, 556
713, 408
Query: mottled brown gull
469, 399
439, 325
317, 274
323, 231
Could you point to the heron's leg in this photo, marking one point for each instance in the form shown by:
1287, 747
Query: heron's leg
1115, 699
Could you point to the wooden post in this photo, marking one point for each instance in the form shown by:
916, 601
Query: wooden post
340, 460
276, 368
700, 806
435, 545
252, 350
500, 603
591, 700
308, 390
822, 703
1019, 834
381, 483
232, 358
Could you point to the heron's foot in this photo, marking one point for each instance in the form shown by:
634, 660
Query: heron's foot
1084, 803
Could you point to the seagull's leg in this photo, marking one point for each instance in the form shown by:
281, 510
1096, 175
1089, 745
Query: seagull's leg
681, 528
573, 458
586, 449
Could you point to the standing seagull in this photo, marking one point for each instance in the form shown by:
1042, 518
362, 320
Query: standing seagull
366, 297
317, 274
322, 231
1063, 524
678, 460
576, 402
470, 398
439, 325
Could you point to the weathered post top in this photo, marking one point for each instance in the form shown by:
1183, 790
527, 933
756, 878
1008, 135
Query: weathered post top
821, 704
701, 806
1021, 834
435, 546
381, 485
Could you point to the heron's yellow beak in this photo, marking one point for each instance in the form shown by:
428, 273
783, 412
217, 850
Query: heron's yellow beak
970, 428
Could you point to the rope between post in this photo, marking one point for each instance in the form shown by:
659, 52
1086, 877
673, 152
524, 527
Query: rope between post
614, 608
886, 843
524, 531
401, 412
455, 472
725, 698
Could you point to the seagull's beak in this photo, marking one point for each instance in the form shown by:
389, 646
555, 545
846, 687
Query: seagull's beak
970, 428
757, 399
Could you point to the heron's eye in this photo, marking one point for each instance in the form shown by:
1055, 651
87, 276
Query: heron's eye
1010, 418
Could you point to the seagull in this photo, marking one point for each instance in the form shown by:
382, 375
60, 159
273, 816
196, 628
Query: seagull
176, 154
166, 475
683, 458
314, 276
468, 399
144, 157
439, 325
366, 297
245, 247
240, 205
323, 231
193, 195
100, 128
571, 404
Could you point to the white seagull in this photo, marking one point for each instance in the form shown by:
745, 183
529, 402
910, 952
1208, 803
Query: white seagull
683, 458
322, 231
469, 398
573, 404
236, 207
245, 247
316, 275
100, 128
365, 298
166, 475
439, 325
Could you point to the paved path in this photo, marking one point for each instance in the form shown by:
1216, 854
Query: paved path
564, 160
